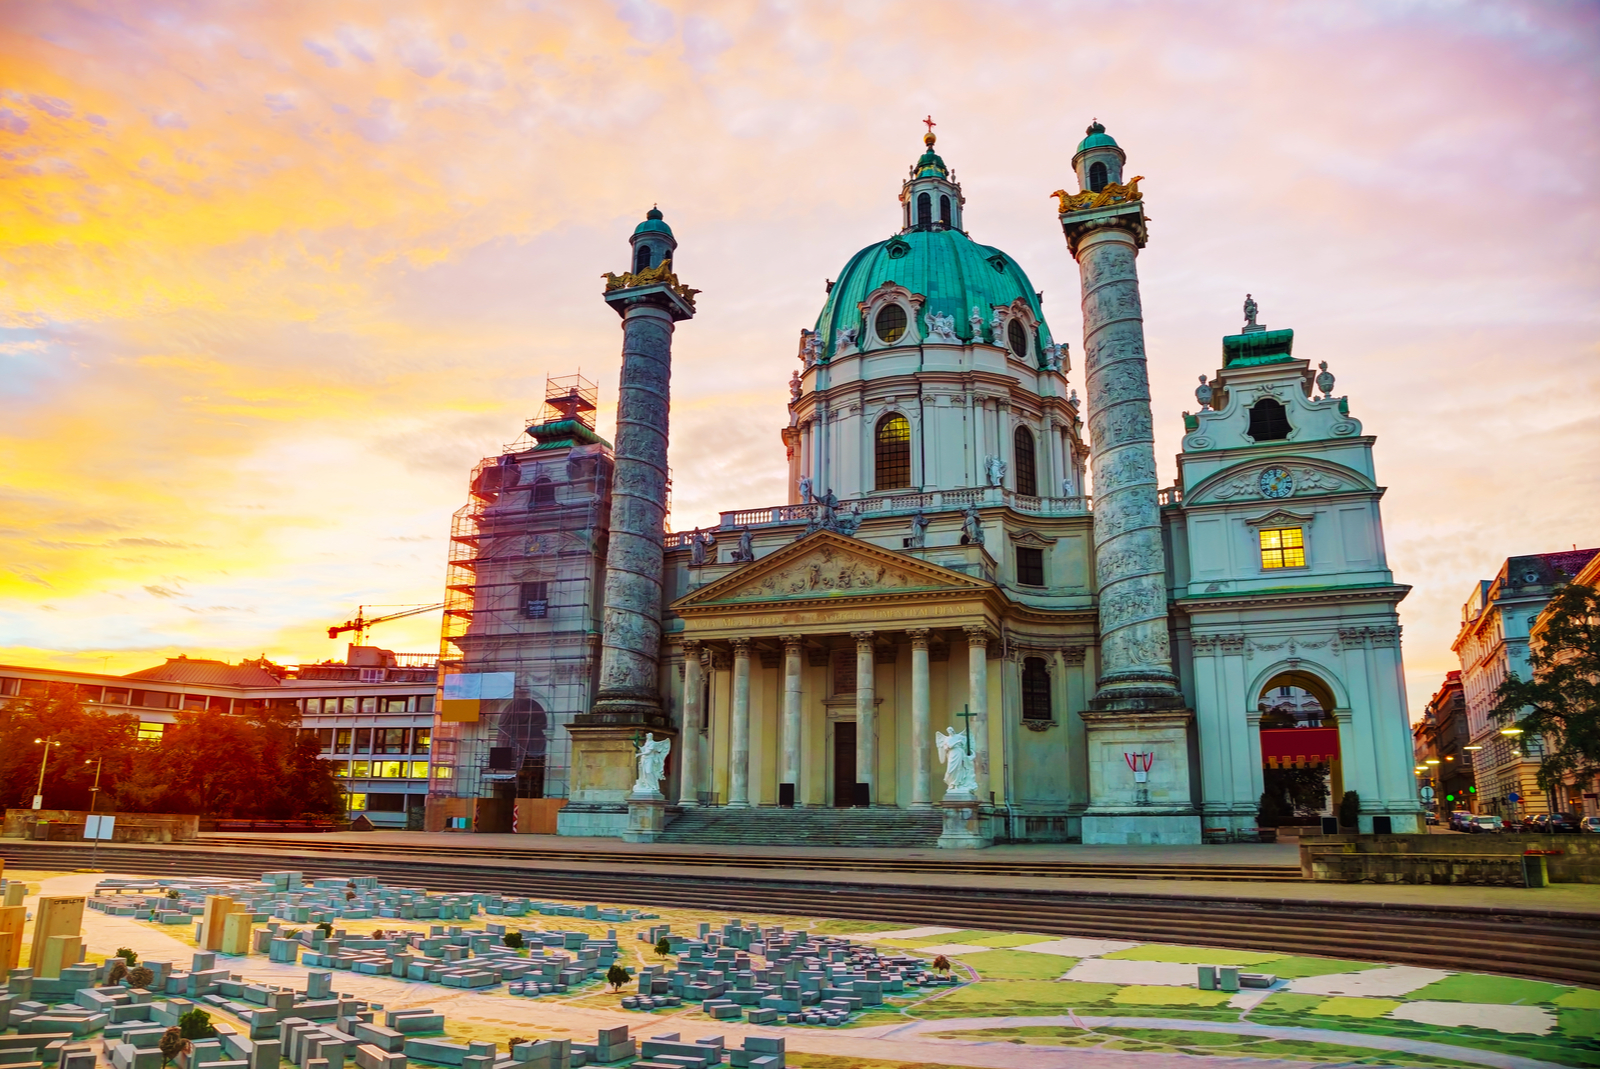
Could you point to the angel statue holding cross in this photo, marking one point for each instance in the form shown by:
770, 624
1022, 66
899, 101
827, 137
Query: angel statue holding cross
652, 765
959, 778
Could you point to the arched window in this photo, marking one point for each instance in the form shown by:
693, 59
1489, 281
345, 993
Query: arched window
893, 453
1036, 690
544, 493
641, 259
944, 209
1027, 469
924, 210
890, 323
1268, 421
1017, 337
1097, 177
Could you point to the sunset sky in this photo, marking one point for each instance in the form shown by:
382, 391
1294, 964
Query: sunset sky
275, 275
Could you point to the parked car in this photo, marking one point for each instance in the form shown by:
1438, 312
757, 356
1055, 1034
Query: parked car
1561, 824
1487, 823
1590, 824
1433, 818
1460, 819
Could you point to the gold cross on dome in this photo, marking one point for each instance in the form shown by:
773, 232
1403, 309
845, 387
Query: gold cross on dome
930, 123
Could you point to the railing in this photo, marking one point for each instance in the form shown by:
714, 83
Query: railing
415, 660
928, 501
1172, 495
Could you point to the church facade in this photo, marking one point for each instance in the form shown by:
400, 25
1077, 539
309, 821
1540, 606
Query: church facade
940, 566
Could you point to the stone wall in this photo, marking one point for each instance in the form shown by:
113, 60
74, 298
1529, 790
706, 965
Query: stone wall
1446, 858
129, 828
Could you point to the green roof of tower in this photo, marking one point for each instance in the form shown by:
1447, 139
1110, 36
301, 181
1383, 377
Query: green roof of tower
1097, 137
652, 222
930, 162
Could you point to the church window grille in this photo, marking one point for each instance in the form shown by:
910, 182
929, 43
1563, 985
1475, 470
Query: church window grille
893, 453
1268, 421
1283, 547
944, 210
890, 323
536, 600
641, 259
1030, 566
544, 493
1027, 469
1036, 690
1017, 336
924, 210
1097, 177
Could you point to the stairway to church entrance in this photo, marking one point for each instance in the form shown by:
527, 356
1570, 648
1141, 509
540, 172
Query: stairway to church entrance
773, 826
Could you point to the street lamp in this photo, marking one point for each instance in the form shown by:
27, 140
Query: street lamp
38, 793
94, 802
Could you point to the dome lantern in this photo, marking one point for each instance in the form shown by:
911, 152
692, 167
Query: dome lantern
930, 198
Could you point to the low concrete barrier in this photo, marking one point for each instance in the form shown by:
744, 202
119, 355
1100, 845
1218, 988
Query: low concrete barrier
67, 824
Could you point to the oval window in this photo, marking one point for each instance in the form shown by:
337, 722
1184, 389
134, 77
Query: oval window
1017, 337
890, 324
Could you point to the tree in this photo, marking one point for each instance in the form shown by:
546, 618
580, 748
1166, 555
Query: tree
663, 947
1269, 814
941, 964
1561, 703
511, 1044
1350, 810
118, 971
196, 1024
1296, 792
616, 976
172, 1044
129, 955
141, 976
326, 928
512, 940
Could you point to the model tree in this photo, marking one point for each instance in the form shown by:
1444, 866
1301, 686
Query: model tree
616, 976
1561, 703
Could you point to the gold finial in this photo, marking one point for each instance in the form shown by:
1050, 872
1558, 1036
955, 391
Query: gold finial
929, 138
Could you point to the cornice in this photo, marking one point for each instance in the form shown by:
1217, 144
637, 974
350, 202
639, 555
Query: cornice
1393, 593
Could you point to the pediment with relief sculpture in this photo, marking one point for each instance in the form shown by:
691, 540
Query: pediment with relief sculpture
827, 565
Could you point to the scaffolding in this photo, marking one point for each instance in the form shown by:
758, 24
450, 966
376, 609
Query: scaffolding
523, 597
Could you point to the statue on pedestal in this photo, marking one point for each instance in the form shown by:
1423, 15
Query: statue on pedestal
652, 765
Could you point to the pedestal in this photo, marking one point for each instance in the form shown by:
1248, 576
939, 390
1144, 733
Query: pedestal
605, 760
966, 827
647, 818
1124, 808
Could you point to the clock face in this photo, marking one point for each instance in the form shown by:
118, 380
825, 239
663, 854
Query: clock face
1276, 482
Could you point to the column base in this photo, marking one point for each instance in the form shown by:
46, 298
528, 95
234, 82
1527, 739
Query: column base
1141, 829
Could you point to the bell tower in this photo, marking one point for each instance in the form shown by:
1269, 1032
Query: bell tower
1137, 716
930, 198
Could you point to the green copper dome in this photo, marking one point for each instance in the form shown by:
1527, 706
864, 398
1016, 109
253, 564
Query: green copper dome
930, 161
950, 269
1097, 138
652, 222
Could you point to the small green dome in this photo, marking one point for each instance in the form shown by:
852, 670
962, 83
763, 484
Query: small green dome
652, 223
930, 161
952, 270
1098, 138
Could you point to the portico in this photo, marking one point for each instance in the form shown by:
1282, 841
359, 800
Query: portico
808, 687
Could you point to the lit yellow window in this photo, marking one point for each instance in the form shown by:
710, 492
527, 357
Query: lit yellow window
151, 732
1283, 547
360, 769
358, 802
419, 770
390, 769
443, 772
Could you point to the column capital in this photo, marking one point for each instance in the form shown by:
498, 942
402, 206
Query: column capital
741, 646
978, 634
919, 637
690, 645
863, 638
791, 643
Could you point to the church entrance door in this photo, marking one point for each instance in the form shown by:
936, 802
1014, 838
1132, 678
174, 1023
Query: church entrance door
844, 763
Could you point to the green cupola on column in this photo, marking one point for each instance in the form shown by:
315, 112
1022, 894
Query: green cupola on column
1098, 160
652, 241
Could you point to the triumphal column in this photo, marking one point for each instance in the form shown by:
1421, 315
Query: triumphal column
650, 300
1137, 723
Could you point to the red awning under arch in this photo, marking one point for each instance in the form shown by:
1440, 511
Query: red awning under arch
1299, 747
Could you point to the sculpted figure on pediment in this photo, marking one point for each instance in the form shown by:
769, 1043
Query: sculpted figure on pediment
1241, 486
823, 571
1316, 479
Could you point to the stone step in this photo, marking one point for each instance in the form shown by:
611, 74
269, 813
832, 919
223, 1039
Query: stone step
766, 825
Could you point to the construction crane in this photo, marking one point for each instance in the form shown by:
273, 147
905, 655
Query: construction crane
362, 622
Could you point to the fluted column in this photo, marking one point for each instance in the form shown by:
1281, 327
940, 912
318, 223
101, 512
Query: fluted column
866, 716
689, 731
791, 713
978, 700
921, 721
739, 730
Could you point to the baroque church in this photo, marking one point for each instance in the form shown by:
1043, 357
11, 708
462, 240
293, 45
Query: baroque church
939, 570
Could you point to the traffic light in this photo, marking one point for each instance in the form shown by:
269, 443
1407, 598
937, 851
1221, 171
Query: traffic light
1472, 790
1449, 797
